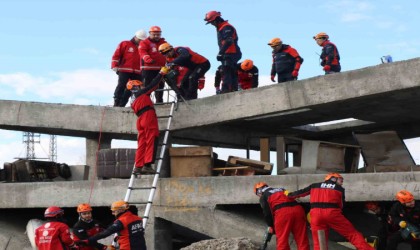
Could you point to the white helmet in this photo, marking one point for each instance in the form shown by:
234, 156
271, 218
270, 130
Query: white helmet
141, 34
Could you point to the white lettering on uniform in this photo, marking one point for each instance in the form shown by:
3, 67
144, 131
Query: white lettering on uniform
328, 185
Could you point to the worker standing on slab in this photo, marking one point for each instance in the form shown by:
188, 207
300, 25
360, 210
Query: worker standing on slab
147, 123
152, 60
229, 51
127, 225
86, 227
197, 65
404, 214
330, 58
247, 75
54, 234
284, 215
126, 63
286, 61
327, 201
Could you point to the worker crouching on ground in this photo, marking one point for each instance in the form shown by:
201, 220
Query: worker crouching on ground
330, 58
286, 61
128, 226
327, 201
54, 234
283, 214
247, 74
404, 214
147, 123
197, 65
86, 227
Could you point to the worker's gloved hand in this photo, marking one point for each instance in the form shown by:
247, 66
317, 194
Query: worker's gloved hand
271, 230
164, 70
327, 68
201, 82
272, 78
295, 73
286, 192
170, 65
403, 224
220, 57
148, 59
218, 91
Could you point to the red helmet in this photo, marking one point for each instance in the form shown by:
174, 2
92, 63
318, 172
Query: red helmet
333, 175
259, 185
404, 196
52, 212
155, 29
84, 207
247, 64
211, 16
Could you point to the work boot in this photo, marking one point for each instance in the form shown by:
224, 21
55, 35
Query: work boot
147, 169
137, 171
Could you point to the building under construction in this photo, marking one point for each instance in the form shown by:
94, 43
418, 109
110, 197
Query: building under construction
377, 107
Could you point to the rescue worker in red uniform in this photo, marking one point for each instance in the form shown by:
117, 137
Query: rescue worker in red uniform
55, 234
147, 123
330, 58
128, 226
197, 65
126, 63
87, 227
152, 60
286, 61
405, 211
229, 51
283, 214
327, 201
247, 74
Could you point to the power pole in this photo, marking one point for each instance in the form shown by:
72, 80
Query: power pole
30, 139
53, 148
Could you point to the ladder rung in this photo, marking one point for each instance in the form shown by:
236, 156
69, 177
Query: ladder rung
140, 202
164, 116
141, 188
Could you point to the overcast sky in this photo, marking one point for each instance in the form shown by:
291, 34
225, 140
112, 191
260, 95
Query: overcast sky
60, 51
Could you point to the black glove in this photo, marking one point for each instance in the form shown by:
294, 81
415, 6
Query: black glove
220, 57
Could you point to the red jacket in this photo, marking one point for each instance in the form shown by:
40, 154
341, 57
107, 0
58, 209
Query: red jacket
53, 235
150, 49
126, 57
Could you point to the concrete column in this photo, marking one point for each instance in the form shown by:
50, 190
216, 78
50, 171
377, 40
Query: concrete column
265, 149
163, 234
280, 147
91, 150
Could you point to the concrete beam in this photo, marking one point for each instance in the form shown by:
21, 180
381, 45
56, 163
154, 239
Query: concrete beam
201, 192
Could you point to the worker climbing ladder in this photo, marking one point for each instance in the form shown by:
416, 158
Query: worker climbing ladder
158, 165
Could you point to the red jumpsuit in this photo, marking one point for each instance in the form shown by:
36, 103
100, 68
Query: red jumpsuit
327, 199
147, 124
53, 235
288, 215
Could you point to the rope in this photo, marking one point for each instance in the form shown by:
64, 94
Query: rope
92, 183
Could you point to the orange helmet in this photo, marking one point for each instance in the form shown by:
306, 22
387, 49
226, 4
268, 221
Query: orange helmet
211, 16
259, 185
84, 207
404, 196
247, 64
117, 205
132, 83
275, 42
165, 47
155, 29
372, 205
333, 175
53, 211
321, 35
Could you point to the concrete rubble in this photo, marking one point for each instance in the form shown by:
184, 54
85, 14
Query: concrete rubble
223, 244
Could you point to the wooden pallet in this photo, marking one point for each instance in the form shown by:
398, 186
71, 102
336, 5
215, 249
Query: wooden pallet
241, 171
234, 160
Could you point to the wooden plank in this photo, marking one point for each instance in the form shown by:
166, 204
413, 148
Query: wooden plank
265, 149
252, 163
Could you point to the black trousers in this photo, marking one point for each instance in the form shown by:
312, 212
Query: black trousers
121, 93
194, 75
